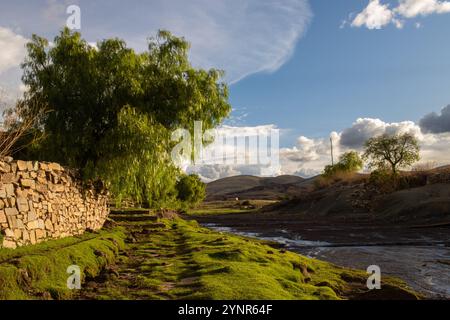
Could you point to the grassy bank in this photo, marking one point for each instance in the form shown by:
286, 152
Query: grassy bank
228, 207
146, 258
176, 259
39, 272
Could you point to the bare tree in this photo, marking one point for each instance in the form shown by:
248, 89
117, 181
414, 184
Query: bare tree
14, 126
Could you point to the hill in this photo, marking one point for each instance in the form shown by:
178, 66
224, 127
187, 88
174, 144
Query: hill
424, 198
251, 187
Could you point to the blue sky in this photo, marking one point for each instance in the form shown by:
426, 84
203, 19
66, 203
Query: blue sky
339, 74
349, 68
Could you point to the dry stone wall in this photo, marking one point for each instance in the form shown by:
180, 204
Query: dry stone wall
41, 201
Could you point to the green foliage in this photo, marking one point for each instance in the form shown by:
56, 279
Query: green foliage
39, 272
191, 190
386, 182
111, 109
349, 162
135, 163
383, 179
392, 151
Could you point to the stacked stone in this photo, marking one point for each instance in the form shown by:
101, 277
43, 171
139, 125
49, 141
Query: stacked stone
41, 201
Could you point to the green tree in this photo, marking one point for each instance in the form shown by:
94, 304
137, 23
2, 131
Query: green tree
191, 190
111, 109
348, 162
392, 151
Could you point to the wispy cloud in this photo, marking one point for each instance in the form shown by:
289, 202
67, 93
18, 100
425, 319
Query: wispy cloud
241, 37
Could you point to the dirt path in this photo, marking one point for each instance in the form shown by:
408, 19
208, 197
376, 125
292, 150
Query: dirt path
147, 269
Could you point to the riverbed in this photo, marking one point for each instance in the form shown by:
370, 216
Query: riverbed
419, 256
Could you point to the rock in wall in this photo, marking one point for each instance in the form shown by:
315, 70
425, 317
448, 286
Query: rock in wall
41, 201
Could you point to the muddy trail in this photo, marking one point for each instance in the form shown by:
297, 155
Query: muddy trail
145, 269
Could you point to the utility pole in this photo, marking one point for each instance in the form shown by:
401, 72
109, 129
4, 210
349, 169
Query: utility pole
332, 156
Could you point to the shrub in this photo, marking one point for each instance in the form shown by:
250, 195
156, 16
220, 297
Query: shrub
191, 190
349, 162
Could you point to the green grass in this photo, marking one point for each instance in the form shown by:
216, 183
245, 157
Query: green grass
228, 207
39, 272
176, 259
182, 260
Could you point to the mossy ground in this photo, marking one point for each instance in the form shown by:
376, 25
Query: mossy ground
176, 259
40, 271
142, 258
228, 207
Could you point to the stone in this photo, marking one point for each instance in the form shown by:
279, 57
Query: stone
4, 167
32, 225
20, 224
8, 159
54, 167
32, 237
9, 233
22, 205
11, 202
12, 221
48, 225
9, 244
25, 236
28, 183
11, 211
17, 234
41, 200
8, 178
3, 216
39, 234
31, 216
22, 165
9, 190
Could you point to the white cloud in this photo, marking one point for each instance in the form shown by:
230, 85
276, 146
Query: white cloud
364, 129
12, 50
414, 8
378, 15
309, 156
232, 153
374, 16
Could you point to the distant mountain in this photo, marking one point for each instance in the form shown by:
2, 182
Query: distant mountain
251, 187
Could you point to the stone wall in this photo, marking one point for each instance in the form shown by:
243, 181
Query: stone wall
41, 201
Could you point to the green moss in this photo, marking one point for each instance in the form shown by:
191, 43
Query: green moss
39, 271
182, 260
228, 207
176, 259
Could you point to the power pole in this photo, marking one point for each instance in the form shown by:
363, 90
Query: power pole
332, 156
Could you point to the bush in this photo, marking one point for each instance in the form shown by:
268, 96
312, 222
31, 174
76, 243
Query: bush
349, 162
191, 190
386, 182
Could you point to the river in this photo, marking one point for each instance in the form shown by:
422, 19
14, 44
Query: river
421, 257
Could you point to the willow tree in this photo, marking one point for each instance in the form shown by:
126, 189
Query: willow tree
112, 109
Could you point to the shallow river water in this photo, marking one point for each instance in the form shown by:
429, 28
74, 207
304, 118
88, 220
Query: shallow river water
421, 258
